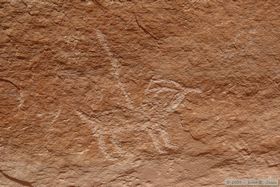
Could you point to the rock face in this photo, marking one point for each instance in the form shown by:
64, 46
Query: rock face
115, 93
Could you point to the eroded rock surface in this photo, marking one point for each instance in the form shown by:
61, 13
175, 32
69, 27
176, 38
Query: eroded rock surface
107, 93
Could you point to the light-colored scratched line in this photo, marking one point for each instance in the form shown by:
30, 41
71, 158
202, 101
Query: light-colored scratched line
194, 90
163, 81
153, 127
180, 95
160, 90
155, 140
57, 114
97, 132
175, 104
94, 126
102, 145
21, 100
118, 146
165, 136
115, 65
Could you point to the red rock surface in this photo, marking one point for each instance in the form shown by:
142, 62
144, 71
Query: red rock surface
138, 93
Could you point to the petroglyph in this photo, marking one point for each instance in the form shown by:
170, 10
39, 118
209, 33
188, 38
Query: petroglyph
51, 118
115, 67
162, 97
56, 116
102, 126
21, 100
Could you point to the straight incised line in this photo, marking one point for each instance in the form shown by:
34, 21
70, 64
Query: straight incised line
115, 66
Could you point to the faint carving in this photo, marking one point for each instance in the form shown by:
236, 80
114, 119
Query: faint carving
150, 117
21, 100
115, 67
56, 116
51, 118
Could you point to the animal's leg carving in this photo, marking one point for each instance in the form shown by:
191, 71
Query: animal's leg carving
96, 132
178, 99
117, 145
102, 145
155, 140
165, 137
87, 120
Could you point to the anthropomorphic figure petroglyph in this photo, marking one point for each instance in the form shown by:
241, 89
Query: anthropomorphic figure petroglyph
162, 98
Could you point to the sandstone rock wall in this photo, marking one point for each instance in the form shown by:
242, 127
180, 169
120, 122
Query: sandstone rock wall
107, 93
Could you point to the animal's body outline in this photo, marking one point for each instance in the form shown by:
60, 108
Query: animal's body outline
154, 120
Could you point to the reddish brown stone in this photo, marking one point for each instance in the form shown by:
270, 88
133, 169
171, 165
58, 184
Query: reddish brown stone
138, 93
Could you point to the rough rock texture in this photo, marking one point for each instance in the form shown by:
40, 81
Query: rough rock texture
148, 93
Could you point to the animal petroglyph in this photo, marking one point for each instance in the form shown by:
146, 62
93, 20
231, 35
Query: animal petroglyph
162, 98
